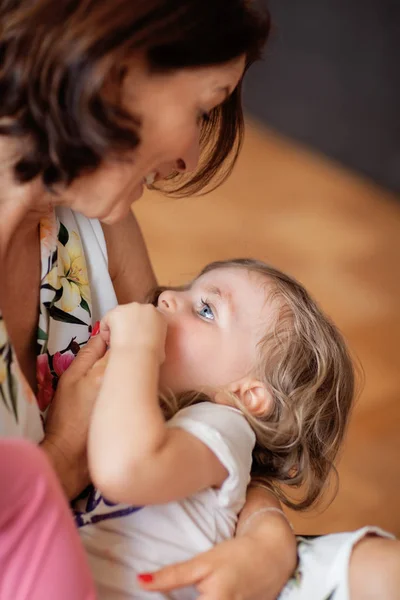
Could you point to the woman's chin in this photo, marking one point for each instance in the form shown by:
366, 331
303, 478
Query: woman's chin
115, 216
107, 214
119, 211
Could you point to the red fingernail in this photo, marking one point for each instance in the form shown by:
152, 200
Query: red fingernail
145, 577
96, 329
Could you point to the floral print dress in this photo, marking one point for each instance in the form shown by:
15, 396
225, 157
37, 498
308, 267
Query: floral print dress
65, 321
65, 325
75, 291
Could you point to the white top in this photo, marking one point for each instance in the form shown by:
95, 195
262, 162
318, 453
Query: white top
146, 539
94, 246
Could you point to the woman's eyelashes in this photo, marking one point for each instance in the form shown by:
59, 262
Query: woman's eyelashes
203, 117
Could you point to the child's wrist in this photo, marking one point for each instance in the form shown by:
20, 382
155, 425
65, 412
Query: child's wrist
134, 348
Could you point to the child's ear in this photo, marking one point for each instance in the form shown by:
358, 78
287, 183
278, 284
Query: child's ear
255, 396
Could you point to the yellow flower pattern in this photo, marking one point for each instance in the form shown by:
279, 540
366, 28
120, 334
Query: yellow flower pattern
69, 275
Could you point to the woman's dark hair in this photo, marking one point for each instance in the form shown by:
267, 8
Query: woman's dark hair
57, 56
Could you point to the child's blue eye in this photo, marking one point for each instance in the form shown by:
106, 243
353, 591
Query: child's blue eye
206, 311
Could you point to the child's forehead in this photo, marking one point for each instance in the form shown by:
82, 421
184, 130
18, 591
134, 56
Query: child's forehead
237, 283
233, 277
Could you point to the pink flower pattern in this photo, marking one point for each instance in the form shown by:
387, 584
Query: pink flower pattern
55, 321
61, 362
45, 382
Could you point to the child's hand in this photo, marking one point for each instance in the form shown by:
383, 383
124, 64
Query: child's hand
135, 326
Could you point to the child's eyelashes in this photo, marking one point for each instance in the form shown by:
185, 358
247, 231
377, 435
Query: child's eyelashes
205, 310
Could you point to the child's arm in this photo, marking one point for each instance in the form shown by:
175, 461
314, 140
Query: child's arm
133, 456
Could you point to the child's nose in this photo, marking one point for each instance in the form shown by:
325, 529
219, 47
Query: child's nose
164, 303
167, 302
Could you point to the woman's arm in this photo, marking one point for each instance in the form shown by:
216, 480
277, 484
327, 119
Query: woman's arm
134, 457
259, 501
255, 565
273, 538
128, 261
71, 469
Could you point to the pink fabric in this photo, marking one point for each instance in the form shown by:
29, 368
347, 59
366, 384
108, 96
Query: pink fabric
41, 556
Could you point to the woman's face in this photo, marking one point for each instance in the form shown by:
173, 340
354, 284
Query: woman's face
170, 108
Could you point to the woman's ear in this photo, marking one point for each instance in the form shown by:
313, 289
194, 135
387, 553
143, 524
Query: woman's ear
254, 395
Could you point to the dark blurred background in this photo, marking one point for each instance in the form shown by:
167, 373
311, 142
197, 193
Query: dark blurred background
331, 79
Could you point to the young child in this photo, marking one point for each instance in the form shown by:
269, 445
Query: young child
237, 374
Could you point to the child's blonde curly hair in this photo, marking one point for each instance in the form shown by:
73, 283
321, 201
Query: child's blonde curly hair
305, 365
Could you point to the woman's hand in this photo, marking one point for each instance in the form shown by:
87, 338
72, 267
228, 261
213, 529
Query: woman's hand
255, 565
66, 428
244, 568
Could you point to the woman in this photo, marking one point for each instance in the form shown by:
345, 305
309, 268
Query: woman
97, 98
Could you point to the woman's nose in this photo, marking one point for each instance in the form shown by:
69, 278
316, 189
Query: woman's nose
187, 160
190, 159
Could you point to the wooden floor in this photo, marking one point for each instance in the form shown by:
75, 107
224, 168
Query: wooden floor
338, 234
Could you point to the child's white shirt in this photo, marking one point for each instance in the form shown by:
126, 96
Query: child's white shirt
144, 540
